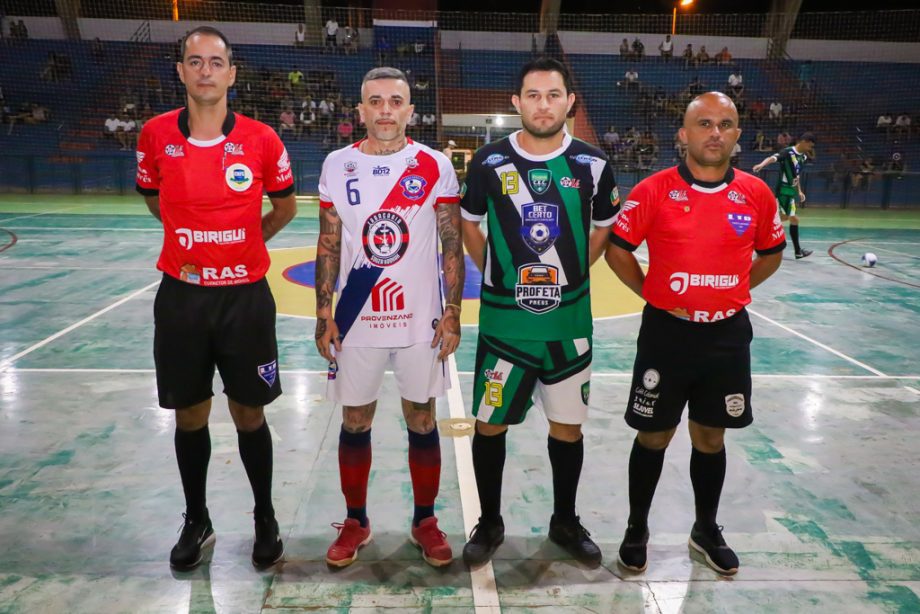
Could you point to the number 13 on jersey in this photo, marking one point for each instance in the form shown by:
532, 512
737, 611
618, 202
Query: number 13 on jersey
509, 182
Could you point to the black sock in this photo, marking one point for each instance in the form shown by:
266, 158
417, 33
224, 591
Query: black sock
707, 473
256, 452
566, 457
488, 465
193, 452
644, 471
794, 233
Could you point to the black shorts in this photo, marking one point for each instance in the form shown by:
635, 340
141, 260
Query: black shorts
705, 365
198, 328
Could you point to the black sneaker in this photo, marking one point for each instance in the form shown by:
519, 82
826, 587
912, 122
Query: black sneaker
805, 253
574, 539
633, 551
268, 547
485, 538
196, 535
712, 546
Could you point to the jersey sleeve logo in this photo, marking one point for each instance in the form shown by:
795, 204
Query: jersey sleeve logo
494, 160
540, 226
413, 187
386, 238
239, 177
539, 180
284, 162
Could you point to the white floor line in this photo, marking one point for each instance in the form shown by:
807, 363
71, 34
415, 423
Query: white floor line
114, 229
485, 591
23, 217
57, 267
892, 251
823, 346
816, 376
9, 361
914, 390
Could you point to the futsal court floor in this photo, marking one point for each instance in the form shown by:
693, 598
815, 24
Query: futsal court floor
821, 501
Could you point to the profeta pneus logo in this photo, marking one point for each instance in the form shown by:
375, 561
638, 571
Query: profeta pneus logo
681, 281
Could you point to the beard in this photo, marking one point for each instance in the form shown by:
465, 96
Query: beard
543, 133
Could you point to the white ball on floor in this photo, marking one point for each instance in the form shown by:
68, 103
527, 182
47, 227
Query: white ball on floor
869, 259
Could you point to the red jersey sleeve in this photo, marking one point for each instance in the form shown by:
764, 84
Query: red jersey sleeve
635, 217
771, 238
276, 167
147, 181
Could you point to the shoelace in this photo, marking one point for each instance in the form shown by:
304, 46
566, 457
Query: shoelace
433, 527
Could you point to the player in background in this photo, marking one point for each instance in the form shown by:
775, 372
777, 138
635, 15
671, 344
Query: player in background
384, 202
789, 184
202, 170
701, 221
540, 191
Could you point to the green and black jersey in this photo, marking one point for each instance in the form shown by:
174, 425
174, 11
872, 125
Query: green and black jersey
791, 163
539, 212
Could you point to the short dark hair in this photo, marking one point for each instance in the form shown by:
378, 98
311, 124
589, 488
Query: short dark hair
807, 136
207, 31
384, 72
544, 64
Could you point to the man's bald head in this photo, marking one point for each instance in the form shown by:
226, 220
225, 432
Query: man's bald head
710, 130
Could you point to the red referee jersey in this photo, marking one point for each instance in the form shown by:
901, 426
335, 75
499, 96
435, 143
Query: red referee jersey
211, 195
700, 239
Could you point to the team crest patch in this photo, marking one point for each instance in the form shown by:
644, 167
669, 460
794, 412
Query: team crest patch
734, 405
678, 195
269, 372
233, 149
539, 226
585, 392
539, 179
537, 289
737, 197
413, 187
174, 151
569, 182
351, 167
411, 163
739, 222
494, 160
386, 238
239, 177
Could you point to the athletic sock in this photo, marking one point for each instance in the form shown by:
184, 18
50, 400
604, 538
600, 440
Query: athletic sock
425, 469
644, 472
707, 474
193, 452
566, 458
794, 233
354, 470
488, 465
256, 452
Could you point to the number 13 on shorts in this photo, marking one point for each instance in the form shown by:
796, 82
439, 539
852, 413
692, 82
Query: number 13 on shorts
493, 394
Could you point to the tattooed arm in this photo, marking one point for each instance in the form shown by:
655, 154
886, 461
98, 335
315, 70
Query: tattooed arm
447, 332
328, 254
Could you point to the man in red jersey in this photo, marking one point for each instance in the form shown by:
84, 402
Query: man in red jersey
202, 170
701, 220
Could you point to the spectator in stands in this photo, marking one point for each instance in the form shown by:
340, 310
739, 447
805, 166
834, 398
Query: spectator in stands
332, 29
449, 150
307, 121
638, 49
625, 51
806, 80
418, 47
344, 130
864, 175
631, 78
146, 115
153, 89
646, 151
128, 102
350, 42
112, 130
696, 87
286, 122
300, 36
421, 83
384, 49
902, 126
790, 114
129, 129
761, 142
758, 110
326, 108
735, 84
702, 57
611, 141
735, 157
429, 121
414, 120
776, 112
884, 123
895, 163
666, 47
783, 140
687, 55
295, 80
723, 58
22, 32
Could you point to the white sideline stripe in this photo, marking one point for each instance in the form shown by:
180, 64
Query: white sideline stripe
9, 361
827, 376
819, 344
22, 217
914, 390
113, 229
485, 592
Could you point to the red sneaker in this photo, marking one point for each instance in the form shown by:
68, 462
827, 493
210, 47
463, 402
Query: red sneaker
344, 550
433, 542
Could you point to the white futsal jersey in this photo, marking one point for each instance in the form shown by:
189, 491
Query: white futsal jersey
390, 274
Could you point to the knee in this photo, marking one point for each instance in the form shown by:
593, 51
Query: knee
357, 419
192, 418
419, 416
707, 440
490, 430
249, 419
565, 432
655, 440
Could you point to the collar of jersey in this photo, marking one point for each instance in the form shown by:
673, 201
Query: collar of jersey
707, 187
357, 147
229, 122
566, 141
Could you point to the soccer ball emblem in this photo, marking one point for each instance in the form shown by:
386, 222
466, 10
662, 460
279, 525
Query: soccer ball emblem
539, 233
